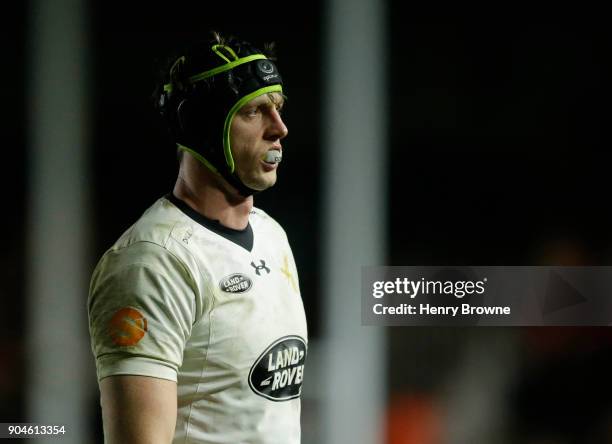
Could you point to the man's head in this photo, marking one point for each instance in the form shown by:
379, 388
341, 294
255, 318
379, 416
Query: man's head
222, 102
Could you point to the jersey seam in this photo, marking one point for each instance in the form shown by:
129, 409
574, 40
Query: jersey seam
204, 367
191, 256
132, 358
169, 236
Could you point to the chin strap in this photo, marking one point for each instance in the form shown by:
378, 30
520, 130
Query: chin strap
229, 177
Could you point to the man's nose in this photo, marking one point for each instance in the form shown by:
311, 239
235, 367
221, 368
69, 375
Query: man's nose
278, 129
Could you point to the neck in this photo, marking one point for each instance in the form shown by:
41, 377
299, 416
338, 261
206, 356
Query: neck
210, 195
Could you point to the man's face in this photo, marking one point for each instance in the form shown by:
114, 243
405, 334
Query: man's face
256, 129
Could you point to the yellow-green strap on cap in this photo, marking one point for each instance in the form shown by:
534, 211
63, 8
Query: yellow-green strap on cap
198, 156
226, 67
227, 49
227, 150
218, 69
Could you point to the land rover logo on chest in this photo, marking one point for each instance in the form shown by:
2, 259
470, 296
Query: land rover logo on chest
235, 283
278, 373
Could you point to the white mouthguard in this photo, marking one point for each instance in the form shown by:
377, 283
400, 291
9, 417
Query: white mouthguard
273, 156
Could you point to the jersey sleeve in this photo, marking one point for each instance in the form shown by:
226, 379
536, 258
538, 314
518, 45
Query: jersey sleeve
141, 307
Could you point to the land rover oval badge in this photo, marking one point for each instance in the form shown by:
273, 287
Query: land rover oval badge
236, 283
278, 373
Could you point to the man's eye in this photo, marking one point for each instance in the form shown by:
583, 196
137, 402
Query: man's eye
251, 111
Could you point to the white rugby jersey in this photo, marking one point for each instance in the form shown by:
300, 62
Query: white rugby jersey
181, 297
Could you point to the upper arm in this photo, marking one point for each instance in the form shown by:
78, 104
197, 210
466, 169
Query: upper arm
142, 307
138, 409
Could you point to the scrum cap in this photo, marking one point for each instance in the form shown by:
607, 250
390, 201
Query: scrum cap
201, 104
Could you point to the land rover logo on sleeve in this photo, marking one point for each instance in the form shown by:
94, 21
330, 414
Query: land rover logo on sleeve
277, 374
235, 283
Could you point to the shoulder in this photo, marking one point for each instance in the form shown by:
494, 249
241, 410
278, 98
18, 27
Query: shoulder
147, 267
260, 220
150, 242
157, 225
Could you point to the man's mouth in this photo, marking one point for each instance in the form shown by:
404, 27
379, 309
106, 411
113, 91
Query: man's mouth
273, 157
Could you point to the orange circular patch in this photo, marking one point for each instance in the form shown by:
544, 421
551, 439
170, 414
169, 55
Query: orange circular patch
127, 326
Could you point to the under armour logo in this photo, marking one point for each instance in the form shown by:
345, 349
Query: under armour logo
260, 267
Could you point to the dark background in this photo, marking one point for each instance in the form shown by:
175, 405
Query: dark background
499, 155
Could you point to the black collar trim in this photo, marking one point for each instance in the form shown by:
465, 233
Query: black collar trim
242, 238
